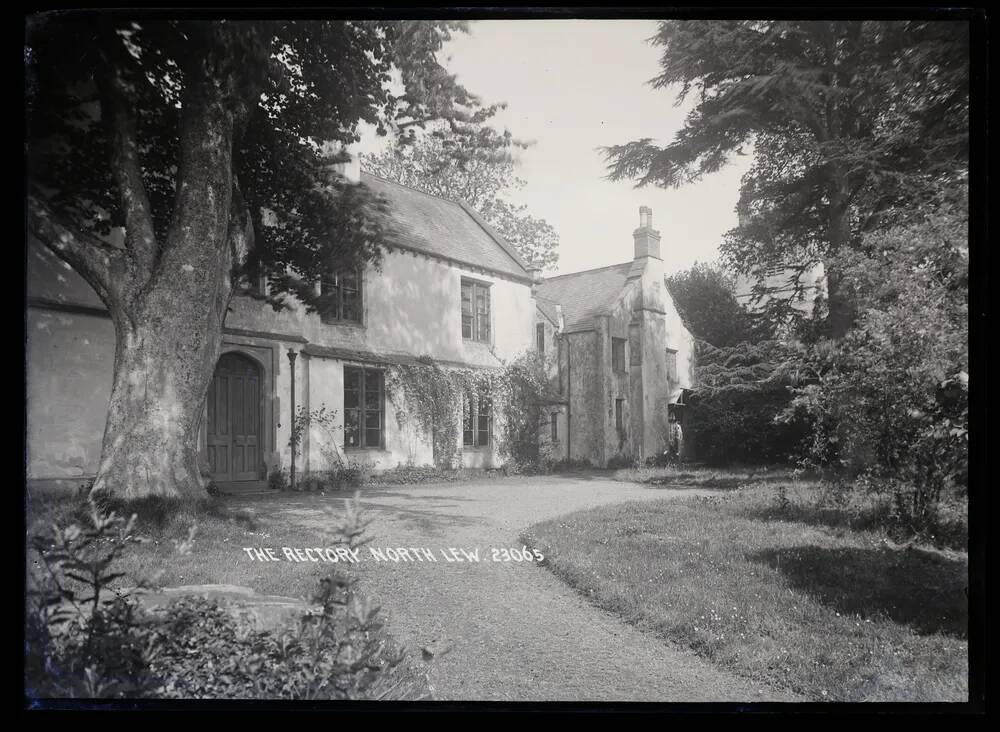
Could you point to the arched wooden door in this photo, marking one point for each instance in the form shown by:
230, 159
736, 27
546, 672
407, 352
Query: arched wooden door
233, 426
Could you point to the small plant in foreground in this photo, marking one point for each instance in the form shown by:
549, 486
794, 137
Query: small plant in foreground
85, 639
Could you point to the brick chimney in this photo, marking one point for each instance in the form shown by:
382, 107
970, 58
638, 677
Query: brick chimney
647, 239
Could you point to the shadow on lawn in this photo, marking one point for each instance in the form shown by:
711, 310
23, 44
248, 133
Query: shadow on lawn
913, 587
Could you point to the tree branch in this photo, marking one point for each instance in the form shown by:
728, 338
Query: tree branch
116, 108
241, 231
93, 259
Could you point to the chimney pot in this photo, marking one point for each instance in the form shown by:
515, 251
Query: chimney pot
645, 217
647, 239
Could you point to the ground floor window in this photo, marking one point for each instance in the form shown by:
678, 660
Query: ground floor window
478, 421
364, 407
619, 414
554, 426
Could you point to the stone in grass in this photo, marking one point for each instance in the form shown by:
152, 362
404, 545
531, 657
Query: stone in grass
267, 612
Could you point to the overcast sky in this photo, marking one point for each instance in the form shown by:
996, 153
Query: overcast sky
573, 86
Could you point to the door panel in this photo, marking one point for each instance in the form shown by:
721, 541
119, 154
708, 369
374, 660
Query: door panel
232, 425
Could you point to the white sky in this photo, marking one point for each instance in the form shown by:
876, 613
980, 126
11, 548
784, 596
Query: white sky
573, 86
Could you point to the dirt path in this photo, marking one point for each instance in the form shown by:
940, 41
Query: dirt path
516, 632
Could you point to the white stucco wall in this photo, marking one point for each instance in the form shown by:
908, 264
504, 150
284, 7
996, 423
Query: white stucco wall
413, 306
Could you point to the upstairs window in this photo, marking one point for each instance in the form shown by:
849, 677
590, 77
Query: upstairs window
364, 407
251, 284
672, 364
618, 354
540, 337
477, 425
475, 311
341, 293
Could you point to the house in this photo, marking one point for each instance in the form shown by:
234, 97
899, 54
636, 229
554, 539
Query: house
622, 356
451, 289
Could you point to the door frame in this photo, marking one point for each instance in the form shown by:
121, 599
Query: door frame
265, 357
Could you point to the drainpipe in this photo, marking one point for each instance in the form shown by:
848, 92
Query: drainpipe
291, 362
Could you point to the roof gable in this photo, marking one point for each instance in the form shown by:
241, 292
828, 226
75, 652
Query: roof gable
585, 295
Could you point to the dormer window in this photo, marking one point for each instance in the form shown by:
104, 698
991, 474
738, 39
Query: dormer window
341, 293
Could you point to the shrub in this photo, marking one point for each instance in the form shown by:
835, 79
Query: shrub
277, 480
337, 651
890, 401
82, 639
623, 461
85, 639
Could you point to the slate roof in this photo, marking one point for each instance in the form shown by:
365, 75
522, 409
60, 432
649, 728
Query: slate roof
548, 309
584, 295
448, 229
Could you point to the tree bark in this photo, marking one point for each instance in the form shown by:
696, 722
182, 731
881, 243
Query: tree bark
840, 301
163, 367
169, 334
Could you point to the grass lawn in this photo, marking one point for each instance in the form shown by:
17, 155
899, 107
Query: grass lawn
222, 528
780, 590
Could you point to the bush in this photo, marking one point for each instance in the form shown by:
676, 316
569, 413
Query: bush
890, 402
277, 480
622, 461
83, 638
347, 475
338, 651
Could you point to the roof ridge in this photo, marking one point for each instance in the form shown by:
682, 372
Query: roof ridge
411, 188
585, 271
470, 211
495, 235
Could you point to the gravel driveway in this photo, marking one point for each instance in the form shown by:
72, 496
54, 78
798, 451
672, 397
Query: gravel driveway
515, 632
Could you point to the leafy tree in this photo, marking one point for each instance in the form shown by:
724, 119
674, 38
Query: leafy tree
891, 399
852, 123
210, 147
704, 298
443, 163
742, 373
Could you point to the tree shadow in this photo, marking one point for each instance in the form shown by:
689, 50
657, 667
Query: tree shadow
917, 588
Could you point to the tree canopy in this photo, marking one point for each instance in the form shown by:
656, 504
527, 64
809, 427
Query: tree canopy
168, 158
704, 297
851, 124
481, 174
111, 101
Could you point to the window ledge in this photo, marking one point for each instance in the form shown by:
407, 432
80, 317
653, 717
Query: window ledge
343, 324
476, 448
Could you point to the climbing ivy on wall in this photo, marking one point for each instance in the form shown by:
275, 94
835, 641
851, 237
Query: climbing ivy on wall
432, 395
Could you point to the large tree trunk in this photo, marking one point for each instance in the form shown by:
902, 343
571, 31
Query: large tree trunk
840, 300
167, 292
163, 367
169, 333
